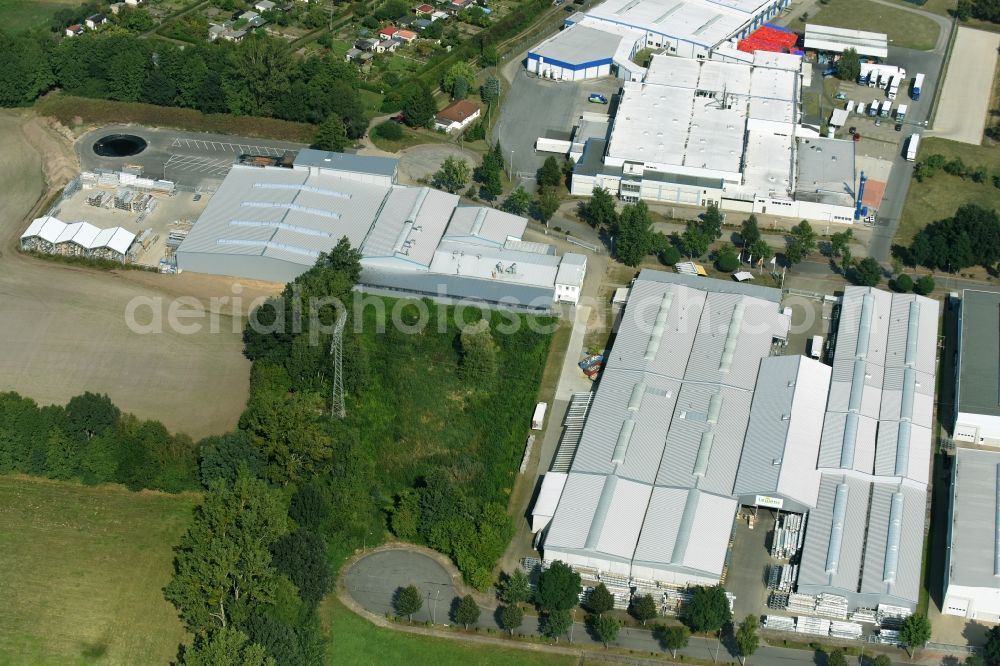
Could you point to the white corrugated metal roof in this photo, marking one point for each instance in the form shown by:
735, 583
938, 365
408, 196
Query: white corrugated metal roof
667, 425
84, 234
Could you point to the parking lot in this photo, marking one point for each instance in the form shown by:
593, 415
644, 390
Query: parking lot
189, 159
535, 107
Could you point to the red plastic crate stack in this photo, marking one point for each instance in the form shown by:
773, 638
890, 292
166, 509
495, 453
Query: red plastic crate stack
767, 38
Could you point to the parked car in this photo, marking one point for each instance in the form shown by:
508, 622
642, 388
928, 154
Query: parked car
898, 127
840, 95
852, 130
597, 98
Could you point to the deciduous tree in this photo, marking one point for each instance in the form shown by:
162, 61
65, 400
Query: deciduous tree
225, 647
800, 244
674, 637
605, 627
643, 608
453, 175
635, 234
419, 106
515, 588
747, 640
558, 587
600, 211
408, 601
707, 610
467, 611
547, 204
600, 600
549, 174
924, 285
331, 135
223, 570
749, 231
556, 623
916, 631
518, 202
867, 272
511, 617
848, 68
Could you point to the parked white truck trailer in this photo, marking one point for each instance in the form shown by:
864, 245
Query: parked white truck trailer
886, 109
901, 112
911, 147
894, 87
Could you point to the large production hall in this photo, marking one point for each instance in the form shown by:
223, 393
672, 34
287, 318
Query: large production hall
699, 412
700, 132
271, 222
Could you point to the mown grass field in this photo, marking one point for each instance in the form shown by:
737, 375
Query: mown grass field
18, 15
904, 28
69, 109
83, 569
938, 197
358, 642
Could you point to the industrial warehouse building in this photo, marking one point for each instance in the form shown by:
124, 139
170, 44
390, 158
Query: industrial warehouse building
694, 416
972, 567
977, 390
837, 40
602, 41
700, 132
875, 453
272, 222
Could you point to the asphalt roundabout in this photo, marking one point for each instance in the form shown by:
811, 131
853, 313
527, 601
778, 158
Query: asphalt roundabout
372, 582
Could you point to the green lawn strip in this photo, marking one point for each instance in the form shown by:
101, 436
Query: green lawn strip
19, 15
410, 138
83, 572
939, 196
356, 641
904, 28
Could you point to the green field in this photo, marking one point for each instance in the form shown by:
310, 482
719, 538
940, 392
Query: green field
358, 642
904, 28
938, 197
18, 15
83, 570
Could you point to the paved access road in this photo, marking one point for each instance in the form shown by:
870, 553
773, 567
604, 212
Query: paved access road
373, 579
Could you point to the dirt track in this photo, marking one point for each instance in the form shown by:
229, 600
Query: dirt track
64, 329
968, 84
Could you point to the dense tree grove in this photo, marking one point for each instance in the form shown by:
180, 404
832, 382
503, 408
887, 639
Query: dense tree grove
259, 76
970, 238
90, 440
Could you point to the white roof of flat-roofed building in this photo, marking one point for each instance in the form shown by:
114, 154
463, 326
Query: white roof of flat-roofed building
579, 44
572, 269
700, 22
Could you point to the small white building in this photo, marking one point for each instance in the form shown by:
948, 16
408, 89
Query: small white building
95, 21
569, 279
74, 30
978, 384
456, 116
265, 6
